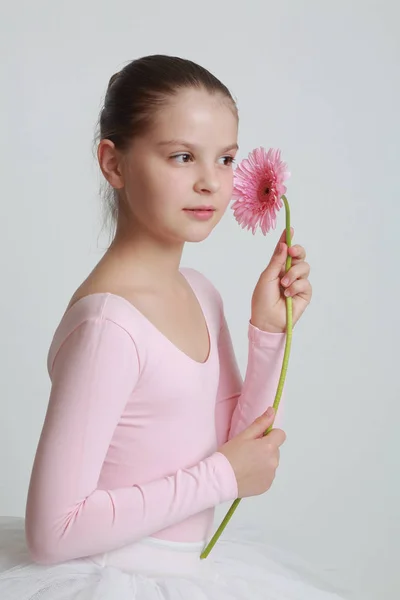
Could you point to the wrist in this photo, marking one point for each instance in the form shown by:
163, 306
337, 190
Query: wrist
263, 326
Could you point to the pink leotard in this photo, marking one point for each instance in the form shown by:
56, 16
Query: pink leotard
129, 446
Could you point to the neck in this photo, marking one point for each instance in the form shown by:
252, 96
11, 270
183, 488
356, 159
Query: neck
144, 257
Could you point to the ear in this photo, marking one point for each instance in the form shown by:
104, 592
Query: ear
110, 163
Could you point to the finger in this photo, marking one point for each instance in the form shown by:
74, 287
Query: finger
300, 270
301, 287
283, 270
283, 238
274, 457
297, 252
259, 425
276, 437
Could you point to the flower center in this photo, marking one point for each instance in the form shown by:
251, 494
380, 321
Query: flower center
265, 191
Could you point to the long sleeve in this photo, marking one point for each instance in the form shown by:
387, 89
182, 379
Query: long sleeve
93, 375
240, 402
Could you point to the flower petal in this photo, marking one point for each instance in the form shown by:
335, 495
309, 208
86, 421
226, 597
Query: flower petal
258, 187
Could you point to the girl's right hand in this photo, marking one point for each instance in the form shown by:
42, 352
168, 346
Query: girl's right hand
255, 457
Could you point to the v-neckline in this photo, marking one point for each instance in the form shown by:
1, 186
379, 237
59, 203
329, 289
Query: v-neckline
154, 327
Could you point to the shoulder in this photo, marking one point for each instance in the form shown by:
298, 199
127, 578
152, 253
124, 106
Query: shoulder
101, 315
100, 307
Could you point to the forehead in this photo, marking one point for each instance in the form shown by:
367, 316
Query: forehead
197, 115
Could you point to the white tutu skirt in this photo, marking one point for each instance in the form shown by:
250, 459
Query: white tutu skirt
236, 569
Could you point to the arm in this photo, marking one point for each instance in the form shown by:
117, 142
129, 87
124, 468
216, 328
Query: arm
239, 402
93, 375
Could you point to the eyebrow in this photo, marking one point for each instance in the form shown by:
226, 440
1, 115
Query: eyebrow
188, 145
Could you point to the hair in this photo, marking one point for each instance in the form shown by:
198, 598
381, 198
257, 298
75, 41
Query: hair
135, 94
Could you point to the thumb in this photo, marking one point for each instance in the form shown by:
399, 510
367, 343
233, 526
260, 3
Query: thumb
278, 258
259, 426
277, 261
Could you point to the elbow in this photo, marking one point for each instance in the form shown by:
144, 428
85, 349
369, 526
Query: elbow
41, 551
45, 537
44, 547
42, 557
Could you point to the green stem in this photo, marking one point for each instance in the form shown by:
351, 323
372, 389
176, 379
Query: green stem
289, 328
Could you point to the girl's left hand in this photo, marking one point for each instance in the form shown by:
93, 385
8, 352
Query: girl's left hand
268, 304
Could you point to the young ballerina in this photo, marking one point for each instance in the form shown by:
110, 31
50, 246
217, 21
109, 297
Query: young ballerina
149, 425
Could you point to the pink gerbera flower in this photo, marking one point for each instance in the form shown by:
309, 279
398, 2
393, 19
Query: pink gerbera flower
258, 189
259, 192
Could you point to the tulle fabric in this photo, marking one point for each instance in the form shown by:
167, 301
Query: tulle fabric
236, 569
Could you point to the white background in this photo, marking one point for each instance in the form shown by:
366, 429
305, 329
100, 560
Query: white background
320, 80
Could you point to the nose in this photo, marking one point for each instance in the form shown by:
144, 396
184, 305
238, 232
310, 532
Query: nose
207, 181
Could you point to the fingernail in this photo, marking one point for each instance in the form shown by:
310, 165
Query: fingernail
269, 412
285, 280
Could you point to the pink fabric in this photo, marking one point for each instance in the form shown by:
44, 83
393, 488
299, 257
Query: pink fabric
129, 444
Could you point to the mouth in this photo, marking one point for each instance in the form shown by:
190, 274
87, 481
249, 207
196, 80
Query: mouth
200, 213
201, 209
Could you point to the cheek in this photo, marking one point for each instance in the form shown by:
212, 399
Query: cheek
175, 189
165, 179
227, 189
150, 185
164, 192
136, 181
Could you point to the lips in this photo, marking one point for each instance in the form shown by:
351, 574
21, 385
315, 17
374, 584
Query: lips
200, 213
201, 208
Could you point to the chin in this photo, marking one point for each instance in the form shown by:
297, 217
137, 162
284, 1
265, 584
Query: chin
198, 231
198, 234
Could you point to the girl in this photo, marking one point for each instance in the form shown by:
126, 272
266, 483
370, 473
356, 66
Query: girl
149, 425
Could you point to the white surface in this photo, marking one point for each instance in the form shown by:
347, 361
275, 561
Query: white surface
320, 80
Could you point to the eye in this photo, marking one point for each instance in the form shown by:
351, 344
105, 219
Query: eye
230, 160
184, 155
